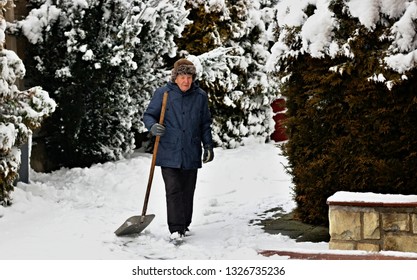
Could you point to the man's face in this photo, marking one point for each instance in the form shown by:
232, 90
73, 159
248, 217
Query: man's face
184, 81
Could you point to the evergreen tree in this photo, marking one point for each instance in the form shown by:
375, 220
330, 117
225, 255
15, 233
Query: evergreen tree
151, 27
232, 42
21, 112
350, 88
100, 71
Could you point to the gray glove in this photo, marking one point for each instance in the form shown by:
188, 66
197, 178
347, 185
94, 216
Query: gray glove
158, 129
208, 154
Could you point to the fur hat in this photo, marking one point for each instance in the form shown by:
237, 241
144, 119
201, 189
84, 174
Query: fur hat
183, 66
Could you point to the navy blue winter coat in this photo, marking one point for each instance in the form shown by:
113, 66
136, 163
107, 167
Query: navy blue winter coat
187, 122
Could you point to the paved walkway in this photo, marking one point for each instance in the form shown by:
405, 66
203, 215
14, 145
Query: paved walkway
295, 229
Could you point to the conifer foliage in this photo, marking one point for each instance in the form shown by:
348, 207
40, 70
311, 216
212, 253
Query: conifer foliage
109, 56
232, 42
20, 113
352, 105
100, 60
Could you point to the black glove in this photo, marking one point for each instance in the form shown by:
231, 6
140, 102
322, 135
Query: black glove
158, 129
208, 154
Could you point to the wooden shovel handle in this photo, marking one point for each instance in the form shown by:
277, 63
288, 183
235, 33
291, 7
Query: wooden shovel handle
155, 151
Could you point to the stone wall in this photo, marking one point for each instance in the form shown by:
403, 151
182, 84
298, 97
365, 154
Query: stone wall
372, 222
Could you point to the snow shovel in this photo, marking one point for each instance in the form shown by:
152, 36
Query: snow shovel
136, 224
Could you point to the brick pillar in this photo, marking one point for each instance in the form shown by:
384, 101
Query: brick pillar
278, 107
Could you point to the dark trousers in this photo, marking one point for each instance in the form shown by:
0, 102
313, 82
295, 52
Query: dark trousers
179, 191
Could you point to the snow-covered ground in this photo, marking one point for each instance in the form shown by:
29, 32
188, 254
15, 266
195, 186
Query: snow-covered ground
73, 213
62, 223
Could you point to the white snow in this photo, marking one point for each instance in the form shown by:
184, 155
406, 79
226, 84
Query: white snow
317, 30
71, 215
366, 11
7, 136
32, 26
368, 197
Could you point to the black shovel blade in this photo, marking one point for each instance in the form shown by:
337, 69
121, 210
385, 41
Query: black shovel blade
135, 224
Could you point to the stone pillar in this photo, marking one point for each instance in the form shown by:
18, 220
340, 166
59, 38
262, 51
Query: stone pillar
373, 222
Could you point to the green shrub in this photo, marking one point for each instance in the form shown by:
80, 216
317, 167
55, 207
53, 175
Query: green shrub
351, 113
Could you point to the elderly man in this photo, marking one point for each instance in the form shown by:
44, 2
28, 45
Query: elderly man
186, 132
